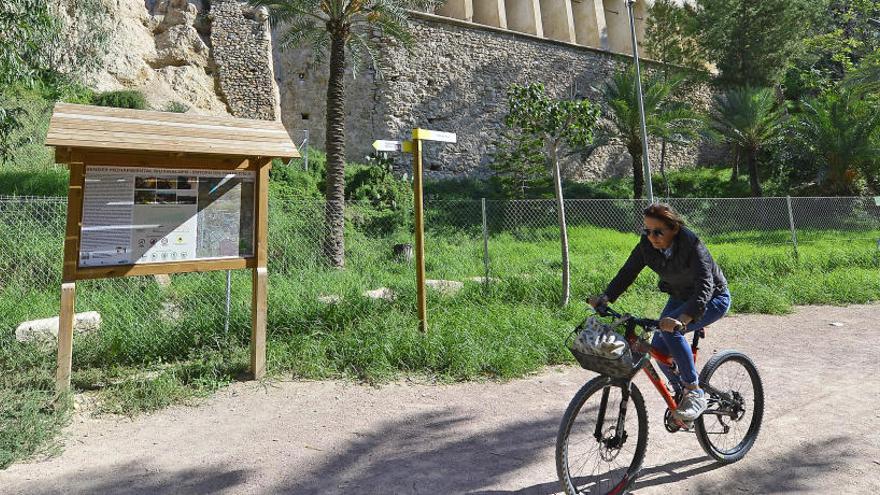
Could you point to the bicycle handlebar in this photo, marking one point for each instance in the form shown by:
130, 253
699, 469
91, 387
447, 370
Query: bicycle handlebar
605, 310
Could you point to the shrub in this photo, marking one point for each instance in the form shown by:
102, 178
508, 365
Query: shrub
122, 99
175, 107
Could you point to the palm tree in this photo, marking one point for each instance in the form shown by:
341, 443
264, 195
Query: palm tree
672, 120
747, 119
866, 79
346, 27
838, 128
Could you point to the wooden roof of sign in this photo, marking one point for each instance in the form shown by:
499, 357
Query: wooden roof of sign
121, 130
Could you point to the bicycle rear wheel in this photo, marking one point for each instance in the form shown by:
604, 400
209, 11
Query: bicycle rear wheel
591, 456
729, 427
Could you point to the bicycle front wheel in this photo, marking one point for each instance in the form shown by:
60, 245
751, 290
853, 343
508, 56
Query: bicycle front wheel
602, 439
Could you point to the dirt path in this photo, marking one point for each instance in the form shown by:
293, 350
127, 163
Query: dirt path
821, 432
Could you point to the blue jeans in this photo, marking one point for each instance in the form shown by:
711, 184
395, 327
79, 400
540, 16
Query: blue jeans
676, 345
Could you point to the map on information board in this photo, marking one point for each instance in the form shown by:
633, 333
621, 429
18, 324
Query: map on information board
145, 215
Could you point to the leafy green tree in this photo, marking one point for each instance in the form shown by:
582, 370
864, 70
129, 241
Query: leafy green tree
519, 165
11, 117
348, 28
27, 28
747, 119
752, 41
671, 35
838, 128
843, 39
53, 41
665, 117
559, 125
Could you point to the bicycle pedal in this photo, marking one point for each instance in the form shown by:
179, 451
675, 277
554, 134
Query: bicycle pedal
685, 425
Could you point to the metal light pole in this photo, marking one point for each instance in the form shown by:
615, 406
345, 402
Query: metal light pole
647, 164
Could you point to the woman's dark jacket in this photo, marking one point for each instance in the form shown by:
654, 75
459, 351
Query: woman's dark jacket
690, 274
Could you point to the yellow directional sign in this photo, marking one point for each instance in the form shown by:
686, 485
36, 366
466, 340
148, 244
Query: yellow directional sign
428, 135
406, 147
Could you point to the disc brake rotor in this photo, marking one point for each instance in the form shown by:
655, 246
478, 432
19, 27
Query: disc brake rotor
609, 450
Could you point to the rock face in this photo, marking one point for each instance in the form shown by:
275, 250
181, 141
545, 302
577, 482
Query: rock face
178, 42
47, 329
155, 48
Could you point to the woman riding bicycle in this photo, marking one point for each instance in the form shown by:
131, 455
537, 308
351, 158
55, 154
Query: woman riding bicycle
698, 295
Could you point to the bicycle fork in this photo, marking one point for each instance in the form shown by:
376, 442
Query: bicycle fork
619, 433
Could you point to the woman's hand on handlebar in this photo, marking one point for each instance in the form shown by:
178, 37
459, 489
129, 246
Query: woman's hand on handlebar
600, 301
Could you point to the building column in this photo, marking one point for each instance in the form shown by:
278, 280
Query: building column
617, 21
490, 13
557, 20
458, 9
589, 23
524, 16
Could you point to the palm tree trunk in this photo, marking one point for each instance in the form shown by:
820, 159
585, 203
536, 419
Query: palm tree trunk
752, 160
334, 211
663, 166
563, 230
638, 173
734, 175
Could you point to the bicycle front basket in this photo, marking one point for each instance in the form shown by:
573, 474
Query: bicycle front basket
590, 345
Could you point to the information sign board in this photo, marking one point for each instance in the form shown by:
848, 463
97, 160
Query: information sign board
148, 215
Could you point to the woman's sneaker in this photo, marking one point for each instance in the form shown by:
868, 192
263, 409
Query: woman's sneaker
692, 405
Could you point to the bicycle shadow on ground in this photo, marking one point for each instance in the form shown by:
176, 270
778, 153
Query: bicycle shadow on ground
430, 453
793, 471
671, 470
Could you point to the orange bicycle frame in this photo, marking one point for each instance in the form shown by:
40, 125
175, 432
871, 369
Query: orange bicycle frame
666, 359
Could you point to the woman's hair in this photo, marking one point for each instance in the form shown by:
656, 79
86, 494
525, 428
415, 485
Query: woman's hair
664, 213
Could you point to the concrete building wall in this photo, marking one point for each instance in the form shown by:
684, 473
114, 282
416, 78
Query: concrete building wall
456, 80
490, 13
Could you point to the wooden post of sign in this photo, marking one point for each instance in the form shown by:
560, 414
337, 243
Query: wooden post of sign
68, 282
418, 204
259, 302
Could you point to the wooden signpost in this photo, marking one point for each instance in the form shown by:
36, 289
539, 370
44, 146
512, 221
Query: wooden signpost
159, 193
415, 147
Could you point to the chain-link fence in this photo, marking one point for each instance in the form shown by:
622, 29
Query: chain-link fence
156, 319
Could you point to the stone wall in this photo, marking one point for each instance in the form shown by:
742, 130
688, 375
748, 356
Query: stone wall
242, 51
455, 79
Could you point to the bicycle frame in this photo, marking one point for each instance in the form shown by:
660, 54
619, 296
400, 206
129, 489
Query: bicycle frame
666, 359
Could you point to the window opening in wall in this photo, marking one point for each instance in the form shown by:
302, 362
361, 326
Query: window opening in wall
304, 116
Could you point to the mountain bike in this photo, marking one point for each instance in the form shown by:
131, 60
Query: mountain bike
601, 442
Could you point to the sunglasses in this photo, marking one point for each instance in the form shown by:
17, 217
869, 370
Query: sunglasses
654, 232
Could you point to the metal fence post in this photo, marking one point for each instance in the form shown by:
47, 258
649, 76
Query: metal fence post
305, 146
228, 299
485, 242
791, 224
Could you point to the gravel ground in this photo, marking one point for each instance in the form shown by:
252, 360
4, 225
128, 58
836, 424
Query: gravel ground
821, 430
